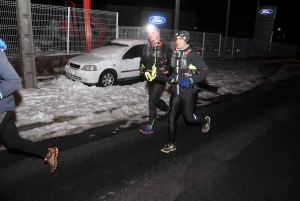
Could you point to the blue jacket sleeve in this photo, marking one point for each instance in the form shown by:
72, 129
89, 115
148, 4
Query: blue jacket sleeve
9, 79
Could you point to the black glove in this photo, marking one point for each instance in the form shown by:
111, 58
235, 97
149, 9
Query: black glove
142, 70
162, 69
162, 77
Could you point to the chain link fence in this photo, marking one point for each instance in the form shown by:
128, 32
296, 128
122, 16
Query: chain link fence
57, 30
60, 30
9, 27
213, 45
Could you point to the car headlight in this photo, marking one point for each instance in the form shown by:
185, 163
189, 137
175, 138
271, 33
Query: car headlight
89, 68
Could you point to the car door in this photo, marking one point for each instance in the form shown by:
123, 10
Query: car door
130, 63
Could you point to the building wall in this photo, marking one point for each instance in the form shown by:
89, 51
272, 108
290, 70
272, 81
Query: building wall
133, 16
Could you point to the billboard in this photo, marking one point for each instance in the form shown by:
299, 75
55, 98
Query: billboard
265, 23
160, 19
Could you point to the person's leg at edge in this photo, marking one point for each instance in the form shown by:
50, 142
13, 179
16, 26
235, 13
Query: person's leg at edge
12, 140
9, 133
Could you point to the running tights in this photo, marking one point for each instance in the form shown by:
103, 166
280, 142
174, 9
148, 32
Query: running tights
9, 133
185, 103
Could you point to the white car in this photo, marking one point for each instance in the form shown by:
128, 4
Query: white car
116, 61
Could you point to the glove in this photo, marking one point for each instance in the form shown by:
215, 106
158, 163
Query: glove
142, 70
2, 45
185, 83
162, 69
171, 79
160, 76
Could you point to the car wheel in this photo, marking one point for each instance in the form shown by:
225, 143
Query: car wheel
107, 78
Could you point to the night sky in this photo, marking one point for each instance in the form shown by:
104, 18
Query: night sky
211, 14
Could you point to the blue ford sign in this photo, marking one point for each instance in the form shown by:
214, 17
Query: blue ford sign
157, 20
266, 11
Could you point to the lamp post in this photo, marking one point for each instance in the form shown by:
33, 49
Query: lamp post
227, 25
256, 16
177, 14
227, 19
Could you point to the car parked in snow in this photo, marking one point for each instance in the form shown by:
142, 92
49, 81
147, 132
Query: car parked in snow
119, 60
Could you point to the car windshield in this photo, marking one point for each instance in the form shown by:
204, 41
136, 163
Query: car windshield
108, 51
115, 44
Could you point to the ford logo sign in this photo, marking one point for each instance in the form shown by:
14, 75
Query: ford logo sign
266, 11
157, 20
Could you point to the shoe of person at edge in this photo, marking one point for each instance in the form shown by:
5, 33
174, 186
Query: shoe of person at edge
206, 127
51, 158
147, 129
168, 148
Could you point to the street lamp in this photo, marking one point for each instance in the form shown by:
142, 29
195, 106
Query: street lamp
177, 14
227, 19
227, 24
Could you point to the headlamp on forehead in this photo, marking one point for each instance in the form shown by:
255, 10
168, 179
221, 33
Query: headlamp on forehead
184, 35
150, 28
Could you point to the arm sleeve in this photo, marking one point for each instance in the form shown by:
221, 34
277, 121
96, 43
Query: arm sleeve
198, 62
9, 79
143, 60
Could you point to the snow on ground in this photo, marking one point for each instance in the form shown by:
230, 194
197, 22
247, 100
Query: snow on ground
85, 107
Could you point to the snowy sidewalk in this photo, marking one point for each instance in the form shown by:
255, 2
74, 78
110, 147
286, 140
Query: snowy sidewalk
62, 107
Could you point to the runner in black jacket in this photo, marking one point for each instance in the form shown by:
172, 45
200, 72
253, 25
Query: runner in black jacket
156, 58
188, 69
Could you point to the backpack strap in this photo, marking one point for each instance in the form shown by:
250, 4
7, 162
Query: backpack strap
188, 51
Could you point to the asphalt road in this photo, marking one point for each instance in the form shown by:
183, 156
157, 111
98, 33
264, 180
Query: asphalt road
250, 153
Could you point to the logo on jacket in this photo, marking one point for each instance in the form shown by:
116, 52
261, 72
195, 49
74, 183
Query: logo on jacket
157, 20
266, 11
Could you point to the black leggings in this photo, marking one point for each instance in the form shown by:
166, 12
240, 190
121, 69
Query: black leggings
187, 104
9, 133
155, 89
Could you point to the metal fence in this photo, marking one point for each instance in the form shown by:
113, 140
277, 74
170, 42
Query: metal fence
214, 45
9, 27
60, 30
57, 30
